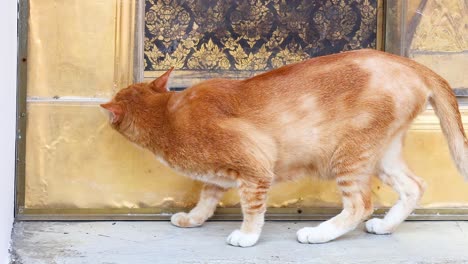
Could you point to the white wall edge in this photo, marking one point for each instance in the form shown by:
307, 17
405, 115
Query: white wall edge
8, 51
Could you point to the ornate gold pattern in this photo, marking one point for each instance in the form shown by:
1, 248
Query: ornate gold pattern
252, 35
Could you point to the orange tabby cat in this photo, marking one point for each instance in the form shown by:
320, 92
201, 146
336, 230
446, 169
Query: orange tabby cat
340, 117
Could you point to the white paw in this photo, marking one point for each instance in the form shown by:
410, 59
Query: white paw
377, 226
183, 220
314, 235
240, 239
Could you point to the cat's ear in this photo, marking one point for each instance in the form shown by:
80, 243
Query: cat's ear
160, 84
115, 110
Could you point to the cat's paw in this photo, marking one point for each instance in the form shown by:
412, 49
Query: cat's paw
313, 235
239, 239
184, 220
377, 226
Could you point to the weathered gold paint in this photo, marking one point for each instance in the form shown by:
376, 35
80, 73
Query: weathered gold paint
80, 47
75, 160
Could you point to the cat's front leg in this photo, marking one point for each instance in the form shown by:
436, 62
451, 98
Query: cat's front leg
253, 202
209, 198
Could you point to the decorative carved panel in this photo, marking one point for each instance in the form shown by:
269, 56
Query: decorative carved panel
443, 27
252, 35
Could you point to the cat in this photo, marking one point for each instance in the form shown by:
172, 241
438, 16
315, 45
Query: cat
340, 117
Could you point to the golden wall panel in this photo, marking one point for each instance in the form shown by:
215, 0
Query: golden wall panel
75, 160
71, 48
428, 156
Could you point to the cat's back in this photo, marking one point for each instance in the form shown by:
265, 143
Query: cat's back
333, 67
344, 80
337, 77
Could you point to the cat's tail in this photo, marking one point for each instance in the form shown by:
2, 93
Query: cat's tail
445, 105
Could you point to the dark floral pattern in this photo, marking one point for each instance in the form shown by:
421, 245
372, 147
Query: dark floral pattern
252, 35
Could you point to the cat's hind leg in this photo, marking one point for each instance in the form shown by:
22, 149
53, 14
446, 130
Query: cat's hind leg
394, 172
353, 179
209, 198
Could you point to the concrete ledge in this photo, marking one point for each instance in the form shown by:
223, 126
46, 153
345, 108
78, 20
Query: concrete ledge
159, 242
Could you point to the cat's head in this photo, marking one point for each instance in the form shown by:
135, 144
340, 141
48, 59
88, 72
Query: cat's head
129, 103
